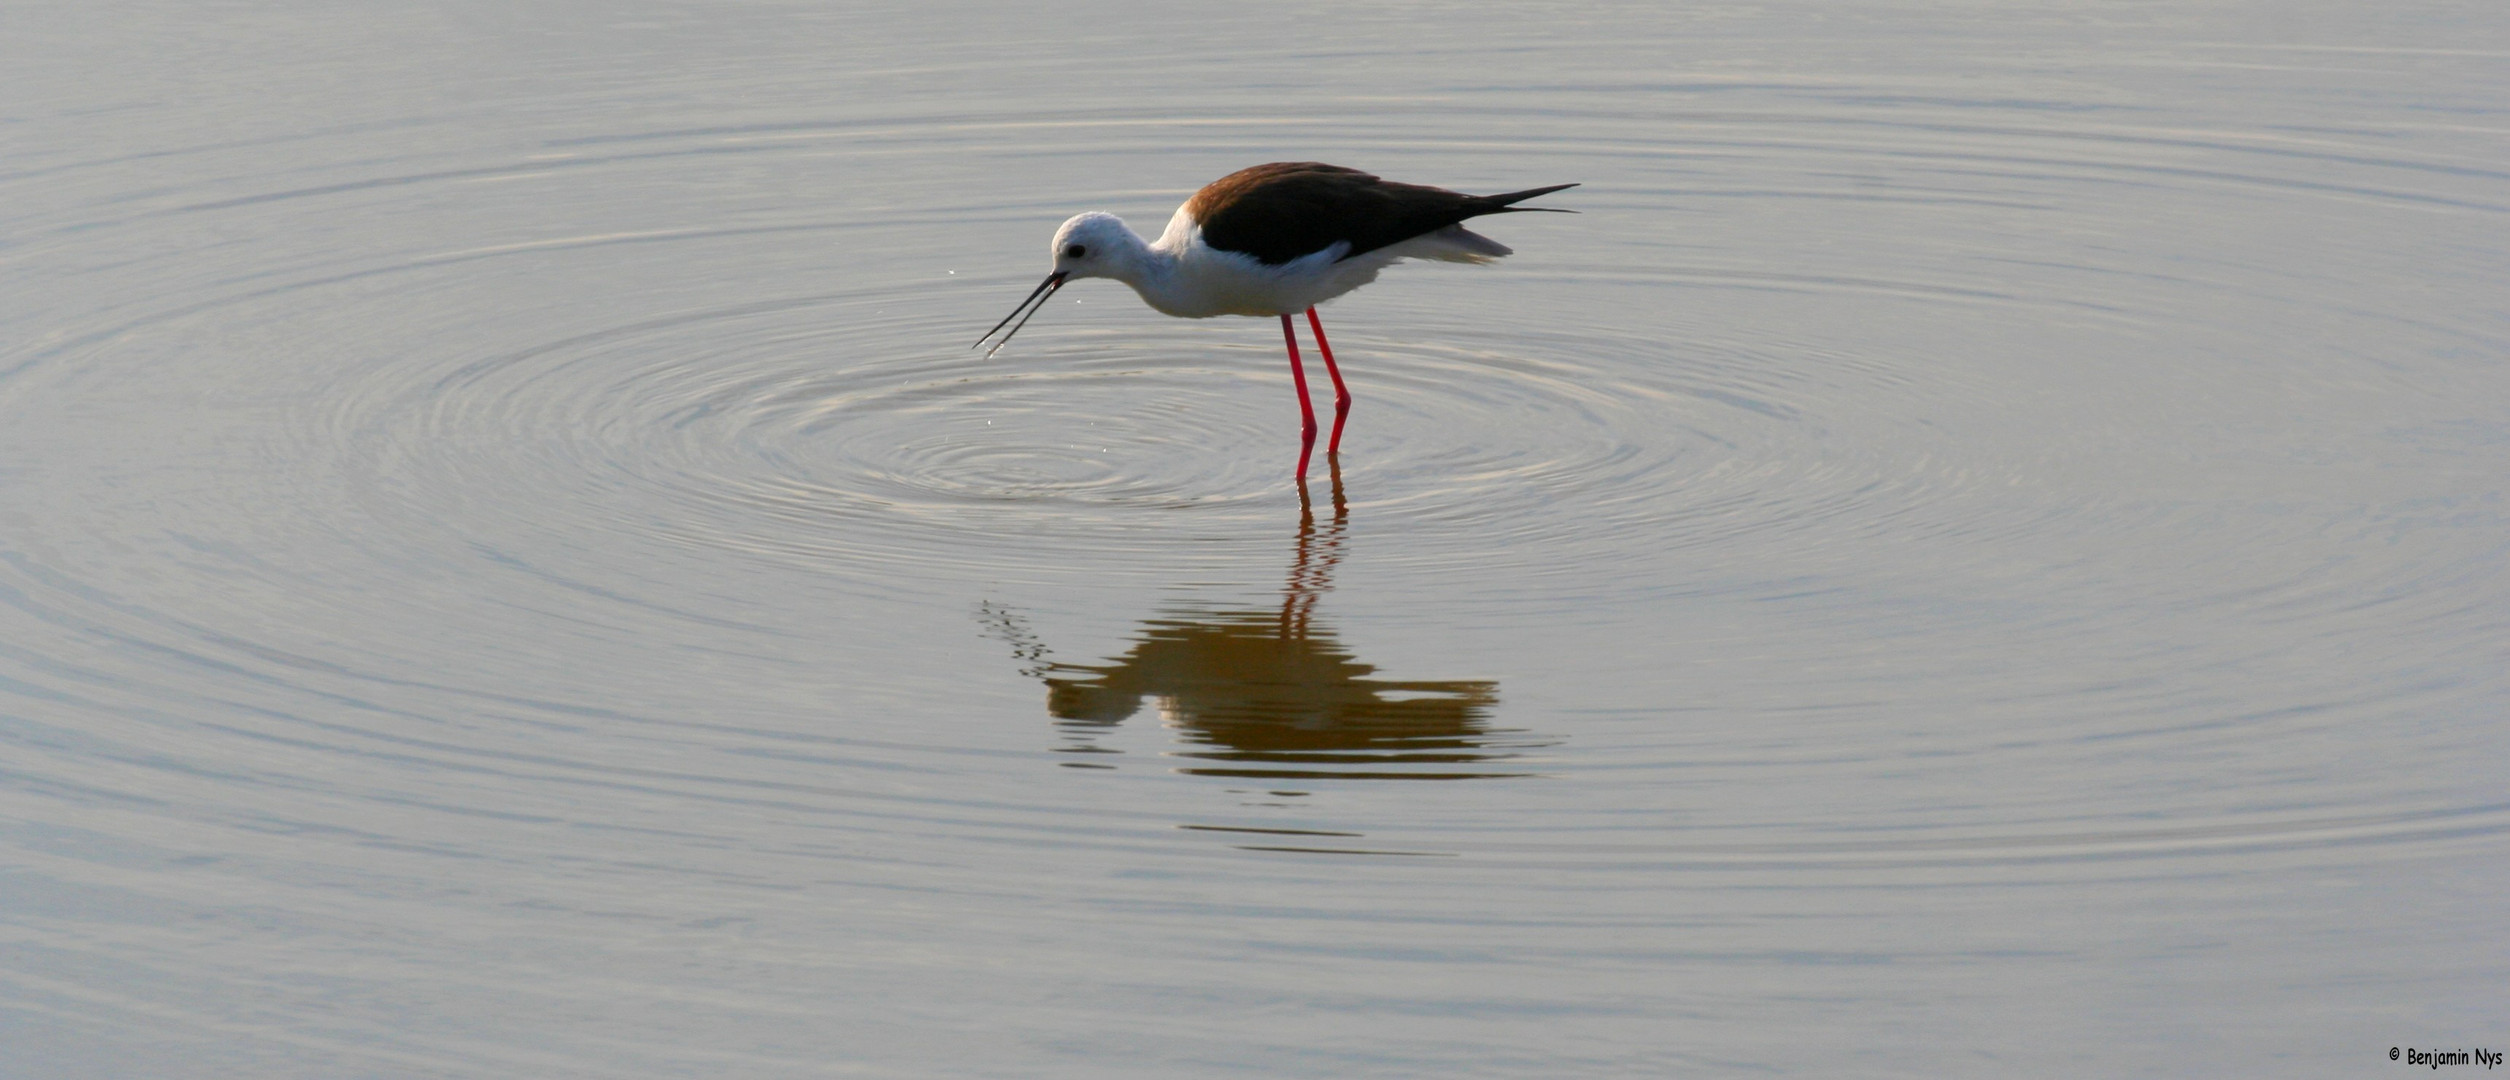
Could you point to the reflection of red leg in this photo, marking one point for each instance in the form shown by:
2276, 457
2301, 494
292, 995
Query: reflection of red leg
1307, 412
1291, 624
1341, 503
1341, 393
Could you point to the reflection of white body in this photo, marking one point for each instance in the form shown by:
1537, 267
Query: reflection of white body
1270, 693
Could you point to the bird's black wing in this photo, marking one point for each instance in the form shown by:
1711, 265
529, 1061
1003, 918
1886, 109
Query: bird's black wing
1291, 209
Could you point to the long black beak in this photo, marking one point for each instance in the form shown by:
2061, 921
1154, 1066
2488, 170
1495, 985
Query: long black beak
1038, 296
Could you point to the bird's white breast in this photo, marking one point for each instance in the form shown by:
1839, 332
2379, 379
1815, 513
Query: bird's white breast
1197, 281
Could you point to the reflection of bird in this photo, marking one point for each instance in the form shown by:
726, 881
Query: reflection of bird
1268, 693
1276, 240
1257, 699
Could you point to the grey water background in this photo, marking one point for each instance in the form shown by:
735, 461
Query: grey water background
1979, 550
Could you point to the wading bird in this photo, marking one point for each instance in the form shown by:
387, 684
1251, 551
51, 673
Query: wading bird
1276, 240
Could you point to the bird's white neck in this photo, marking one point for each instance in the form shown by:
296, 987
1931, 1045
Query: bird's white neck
1152, 267
1179, 274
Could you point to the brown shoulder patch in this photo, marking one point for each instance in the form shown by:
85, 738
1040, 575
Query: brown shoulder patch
1228, 190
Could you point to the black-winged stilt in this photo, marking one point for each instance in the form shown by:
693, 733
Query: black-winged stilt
1275, 240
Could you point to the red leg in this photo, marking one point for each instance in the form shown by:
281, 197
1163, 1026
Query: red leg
1307, 412
1341, 393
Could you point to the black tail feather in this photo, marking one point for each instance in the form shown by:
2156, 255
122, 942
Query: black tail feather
1499, 204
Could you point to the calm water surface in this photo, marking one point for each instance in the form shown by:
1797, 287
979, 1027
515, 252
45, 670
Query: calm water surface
1981, 549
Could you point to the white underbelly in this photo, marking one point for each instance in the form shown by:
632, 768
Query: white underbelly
1209, 283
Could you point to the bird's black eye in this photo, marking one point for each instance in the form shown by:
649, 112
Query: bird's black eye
1075, 251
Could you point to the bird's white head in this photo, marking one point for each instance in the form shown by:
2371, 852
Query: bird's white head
1091, 245
1096, 244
